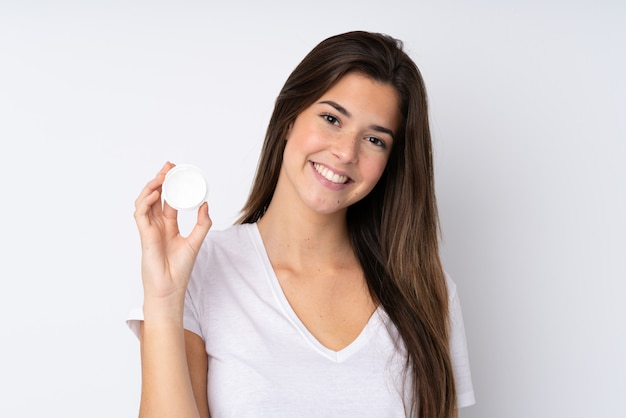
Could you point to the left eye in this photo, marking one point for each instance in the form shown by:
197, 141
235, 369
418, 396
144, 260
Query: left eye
376, 141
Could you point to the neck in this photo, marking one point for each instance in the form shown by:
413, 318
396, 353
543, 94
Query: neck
304, 239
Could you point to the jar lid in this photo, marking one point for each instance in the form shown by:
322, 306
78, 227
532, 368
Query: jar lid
185, 187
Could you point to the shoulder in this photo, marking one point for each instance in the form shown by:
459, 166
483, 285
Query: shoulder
232, 234
451, 286
458, 347
232, 239
454, 304
224, 249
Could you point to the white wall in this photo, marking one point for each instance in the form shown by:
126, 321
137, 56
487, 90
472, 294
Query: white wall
528, 103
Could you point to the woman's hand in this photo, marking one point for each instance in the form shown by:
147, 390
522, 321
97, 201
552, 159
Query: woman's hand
167, 257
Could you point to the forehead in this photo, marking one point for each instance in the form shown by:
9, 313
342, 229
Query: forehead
367, 98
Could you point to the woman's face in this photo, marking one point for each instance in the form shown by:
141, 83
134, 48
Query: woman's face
338, 147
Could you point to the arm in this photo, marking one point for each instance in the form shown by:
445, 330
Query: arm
197, 361
166, 389
167, 261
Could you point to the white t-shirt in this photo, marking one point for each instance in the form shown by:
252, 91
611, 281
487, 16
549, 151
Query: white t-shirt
263, 362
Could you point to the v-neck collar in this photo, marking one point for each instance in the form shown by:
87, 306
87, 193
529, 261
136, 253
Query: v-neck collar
336, 356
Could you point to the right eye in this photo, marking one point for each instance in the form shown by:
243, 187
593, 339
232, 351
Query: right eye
330, 119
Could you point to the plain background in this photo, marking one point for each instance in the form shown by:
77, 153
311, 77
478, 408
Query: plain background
527, 108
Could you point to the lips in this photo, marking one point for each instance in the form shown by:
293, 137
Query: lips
330, 175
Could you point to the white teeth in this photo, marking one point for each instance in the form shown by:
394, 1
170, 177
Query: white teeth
329, 175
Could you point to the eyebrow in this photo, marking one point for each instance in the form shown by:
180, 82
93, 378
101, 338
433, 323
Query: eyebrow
339, 108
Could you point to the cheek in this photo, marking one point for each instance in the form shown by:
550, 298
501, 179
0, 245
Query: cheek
298, 148
377, 167
297, 136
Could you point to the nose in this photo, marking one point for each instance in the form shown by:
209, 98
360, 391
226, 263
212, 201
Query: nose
346, 148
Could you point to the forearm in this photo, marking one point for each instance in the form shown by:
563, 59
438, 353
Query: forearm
166, 384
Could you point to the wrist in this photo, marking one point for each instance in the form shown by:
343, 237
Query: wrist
163, 310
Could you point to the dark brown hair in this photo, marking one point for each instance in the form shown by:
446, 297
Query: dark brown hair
394, 230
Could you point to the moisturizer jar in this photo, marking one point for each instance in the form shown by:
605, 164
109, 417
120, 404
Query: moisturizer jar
185, 187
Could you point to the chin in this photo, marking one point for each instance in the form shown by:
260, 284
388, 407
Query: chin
326, 208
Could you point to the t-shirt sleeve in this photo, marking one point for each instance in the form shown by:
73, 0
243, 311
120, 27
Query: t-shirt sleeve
134, 319
194, 309
191, 315
458, 351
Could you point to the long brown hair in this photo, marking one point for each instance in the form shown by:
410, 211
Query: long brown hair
395, 229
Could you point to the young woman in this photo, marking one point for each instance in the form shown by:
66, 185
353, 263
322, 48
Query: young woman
328, 298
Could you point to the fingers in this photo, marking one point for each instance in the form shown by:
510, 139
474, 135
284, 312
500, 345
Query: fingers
156, 182
170, 220
149, 211
201, 228
168, 211
148, 202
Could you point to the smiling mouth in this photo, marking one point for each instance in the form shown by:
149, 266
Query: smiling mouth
330, 175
